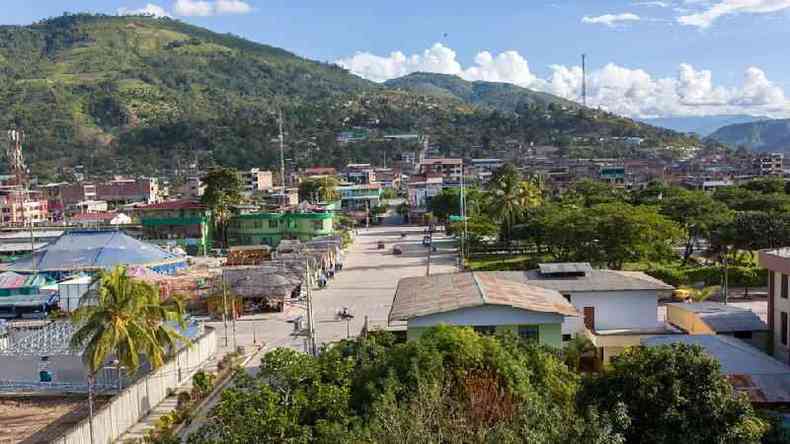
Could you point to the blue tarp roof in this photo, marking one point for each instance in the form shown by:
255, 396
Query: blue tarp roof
93, 250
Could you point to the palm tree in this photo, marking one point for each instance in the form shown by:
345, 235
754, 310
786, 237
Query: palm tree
509, 196
128, 320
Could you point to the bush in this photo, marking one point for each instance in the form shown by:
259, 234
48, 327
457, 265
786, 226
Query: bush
184, 398
739, 276
203, 382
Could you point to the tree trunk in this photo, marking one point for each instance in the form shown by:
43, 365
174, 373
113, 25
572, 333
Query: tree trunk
91, 381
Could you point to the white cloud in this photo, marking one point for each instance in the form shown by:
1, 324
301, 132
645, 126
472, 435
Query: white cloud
232, 7
204, 8
713, 12
193, 8
149, 9
627, 91
657, 4
611, 19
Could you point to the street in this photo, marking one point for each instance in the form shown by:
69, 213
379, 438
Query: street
366, 286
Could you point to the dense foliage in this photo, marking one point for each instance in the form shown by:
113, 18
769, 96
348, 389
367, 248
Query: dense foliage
454, 386
153, 95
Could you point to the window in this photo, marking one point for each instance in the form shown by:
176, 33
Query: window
318, 225
272, 224
567, 297
529, 333
783, 319
488, 330
743, 334
566, 338
784, 286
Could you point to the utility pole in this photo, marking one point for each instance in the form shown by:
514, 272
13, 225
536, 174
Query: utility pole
282, 158
463, 218
310, 320
225, 306
584, 79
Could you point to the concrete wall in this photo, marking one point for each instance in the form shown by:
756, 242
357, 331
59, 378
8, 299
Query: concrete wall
503, 318
125, 409
615, 310
780, 305
66, 369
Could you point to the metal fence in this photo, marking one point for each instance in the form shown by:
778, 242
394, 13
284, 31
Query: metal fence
135, 401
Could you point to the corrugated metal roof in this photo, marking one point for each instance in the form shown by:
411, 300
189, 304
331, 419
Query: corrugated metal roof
724, 318
565, 267
763, 378
426, 295
595, 280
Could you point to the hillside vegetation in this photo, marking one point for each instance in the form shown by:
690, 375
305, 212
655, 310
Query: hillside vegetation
767, 135
151, 96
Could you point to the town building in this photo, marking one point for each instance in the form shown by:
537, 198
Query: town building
770, 164
185, 223
714, 318
359, 174
87, 206
777, 262
271, 228
18, 207
483, 301
256, 180
450, 170
120, 191
617, 308
361, 197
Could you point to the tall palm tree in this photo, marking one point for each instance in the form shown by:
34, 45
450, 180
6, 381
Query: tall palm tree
128, 320
509, 196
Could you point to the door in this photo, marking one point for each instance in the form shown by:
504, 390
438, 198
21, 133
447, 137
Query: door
589, 318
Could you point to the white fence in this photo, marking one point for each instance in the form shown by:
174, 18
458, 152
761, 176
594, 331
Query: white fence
137, 400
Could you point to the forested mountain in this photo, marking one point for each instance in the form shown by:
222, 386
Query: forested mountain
501, 96
701, 125
767, 135
145, 95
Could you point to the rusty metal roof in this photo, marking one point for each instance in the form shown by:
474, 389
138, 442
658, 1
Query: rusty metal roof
439, 293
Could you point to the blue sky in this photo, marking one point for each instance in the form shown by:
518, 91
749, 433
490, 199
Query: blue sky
666, 57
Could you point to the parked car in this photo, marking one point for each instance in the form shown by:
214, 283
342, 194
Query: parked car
380, 245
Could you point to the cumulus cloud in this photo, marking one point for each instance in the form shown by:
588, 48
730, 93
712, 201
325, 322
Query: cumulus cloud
715, 11
204, 8
622, 90
657, 4
232, 7
611, 19
149, 9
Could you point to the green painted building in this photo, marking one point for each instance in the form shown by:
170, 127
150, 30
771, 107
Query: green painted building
185, 223
271, 228
483, 302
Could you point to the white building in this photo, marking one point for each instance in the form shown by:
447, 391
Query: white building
617, 308
777, 262
255, 180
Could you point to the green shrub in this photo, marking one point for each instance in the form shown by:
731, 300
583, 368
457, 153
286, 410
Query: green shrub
203, 382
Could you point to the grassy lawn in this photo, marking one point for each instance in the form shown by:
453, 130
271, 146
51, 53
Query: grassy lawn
500, 263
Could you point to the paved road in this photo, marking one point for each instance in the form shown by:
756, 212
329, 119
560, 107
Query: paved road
366, 286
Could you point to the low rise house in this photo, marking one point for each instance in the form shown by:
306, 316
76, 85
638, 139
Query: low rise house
483, 301
256, 180
450, 170
617, 308
713, 318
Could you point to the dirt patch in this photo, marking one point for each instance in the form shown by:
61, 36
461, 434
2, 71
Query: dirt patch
40, 419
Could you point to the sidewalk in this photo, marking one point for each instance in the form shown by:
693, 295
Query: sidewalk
148, 422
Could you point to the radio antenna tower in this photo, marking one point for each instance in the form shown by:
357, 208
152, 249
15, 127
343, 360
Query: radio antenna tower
13, 152
584, 79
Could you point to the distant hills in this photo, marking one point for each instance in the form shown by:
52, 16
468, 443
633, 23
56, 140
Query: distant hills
767, 135
701, 125
501, 96
144, 95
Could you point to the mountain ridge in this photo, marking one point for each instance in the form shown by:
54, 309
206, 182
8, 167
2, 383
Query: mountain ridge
766, 135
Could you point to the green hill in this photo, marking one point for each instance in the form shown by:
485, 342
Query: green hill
501, 96
766, 135
148, 95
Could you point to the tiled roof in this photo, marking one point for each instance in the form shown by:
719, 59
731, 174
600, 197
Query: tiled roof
184, 204
422, 296
595, 280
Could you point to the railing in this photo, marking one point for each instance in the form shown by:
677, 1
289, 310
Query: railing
501, 248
